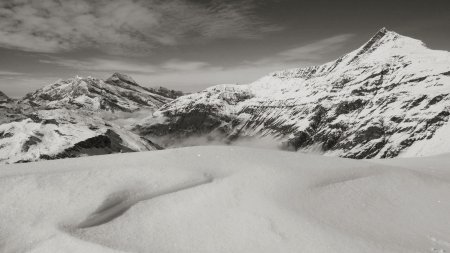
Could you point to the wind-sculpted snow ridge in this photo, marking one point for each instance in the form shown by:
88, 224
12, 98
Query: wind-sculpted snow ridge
118, 93
388, 98
225, 199
62, 133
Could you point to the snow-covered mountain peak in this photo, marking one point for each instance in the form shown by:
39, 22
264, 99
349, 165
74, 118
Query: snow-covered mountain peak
383, 36
388, 46
68, 119
387, 98
119, 92
385, 51
116, 78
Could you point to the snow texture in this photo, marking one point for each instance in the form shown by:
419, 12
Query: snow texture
225, 199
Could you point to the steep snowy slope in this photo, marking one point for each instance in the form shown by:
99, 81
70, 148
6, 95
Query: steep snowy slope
62, 133
376, 101
225, 199
118, 93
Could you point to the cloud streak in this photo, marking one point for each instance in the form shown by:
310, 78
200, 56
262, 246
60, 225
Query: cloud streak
196, 75
108, 65
102, 65
10, 73
313, 52
122, 26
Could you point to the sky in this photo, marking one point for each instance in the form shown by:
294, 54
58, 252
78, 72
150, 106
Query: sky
193, 44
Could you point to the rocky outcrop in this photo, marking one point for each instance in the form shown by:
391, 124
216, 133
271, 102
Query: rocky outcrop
4, 98
107, 143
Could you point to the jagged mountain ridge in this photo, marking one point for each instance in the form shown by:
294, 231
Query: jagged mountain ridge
117, 93
68, 119
389, 97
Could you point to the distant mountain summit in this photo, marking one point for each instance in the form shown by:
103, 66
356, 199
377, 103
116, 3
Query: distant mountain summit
70, 118
388, 98
4, 98
120, 79
117, 93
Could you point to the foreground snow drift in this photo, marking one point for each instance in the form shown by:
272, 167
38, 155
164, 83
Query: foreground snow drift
225, 199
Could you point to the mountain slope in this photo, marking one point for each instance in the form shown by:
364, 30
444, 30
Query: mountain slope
73, 118
62, 133
118, 93
376, 101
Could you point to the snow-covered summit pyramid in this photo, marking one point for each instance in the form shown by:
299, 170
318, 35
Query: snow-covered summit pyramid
118, 93
389, 97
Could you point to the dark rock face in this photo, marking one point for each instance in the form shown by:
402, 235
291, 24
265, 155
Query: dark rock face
371, 44
198, 121
346, 107
5, 135
118, 79
33, 140
4, 98
377, 101
166, 92
107, 143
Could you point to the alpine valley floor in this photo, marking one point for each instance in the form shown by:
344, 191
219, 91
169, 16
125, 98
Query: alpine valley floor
225, 199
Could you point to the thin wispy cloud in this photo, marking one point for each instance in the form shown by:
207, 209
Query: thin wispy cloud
310, 53
109, 66
122, 26
180, 65
200, 74
245, 72
102, 65
10, 73
190, 75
